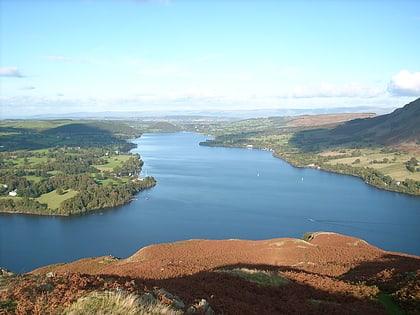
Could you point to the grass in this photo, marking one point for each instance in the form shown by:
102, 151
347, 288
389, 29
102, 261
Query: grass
33, 178
260, 277
33, 160
28, 164
34, 124
101, 303
395, 167
389, 305
113, 162
106, 182
54, 200
8, 306
9, 197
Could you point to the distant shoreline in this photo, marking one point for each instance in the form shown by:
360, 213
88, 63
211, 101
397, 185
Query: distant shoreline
319, 167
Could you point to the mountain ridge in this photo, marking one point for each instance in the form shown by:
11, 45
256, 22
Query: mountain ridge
402, 125
399, 128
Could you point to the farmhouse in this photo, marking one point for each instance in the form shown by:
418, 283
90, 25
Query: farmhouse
13, 193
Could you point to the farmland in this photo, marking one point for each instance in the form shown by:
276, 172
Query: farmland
90, 169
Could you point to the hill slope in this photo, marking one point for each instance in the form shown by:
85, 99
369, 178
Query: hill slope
399, 127
326, 273
402, 125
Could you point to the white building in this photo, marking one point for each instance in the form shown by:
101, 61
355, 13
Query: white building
13, 193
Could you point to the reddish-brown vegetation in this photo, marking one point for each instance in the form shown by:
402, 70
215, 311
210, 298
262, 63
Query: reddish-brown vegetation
329, 274
326, 119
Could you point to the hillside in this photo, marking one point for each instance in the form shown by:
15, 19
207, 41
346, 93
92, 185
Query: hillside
402, 125
397, 128
324, 273
35, 135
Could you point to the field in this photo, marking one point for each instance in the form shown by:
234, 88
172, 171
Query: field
113, 162
53, 199
390, 164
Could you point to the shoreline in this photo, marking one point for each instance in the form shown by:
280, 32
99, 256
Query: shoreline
317, 167
22, 212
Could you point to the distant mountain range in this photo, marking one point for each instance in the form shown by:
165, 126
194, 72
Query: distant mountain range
222, 114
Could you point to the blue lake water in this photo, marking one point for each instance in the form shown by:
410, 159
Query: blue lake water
215, 193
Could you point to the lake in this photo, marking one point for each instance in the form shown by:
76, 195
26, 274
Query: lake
215, 193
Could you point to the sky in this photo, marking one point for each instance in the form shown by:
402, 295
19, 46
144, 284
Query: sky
69, 56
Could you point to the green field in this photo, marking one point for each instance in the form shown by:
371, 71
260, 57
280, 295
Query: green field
33, 178
390, 164
53, 200
113, 162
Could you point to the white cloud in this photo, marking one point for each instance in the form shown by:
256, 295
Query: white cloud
27, 87
405, 83
330, 90
11, 72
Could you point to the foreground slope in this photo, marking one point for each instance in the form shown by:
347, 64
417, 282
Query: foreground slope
326, 273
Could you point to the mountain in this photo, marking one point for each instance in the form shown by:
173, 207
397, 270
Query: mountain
208, 113
402, 125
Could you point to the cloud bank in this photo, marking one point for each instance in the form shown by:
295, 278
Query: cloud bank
11, 72
405, 83
27, 88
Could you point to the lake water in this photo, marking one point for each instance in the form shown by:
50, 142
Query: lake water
215, 193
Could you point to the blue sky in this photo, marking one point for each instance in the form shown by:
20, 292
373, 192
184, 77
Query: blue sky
126, 55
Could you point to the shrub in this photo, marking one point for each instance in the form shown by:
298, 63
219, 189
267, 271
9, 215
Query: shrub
101, 303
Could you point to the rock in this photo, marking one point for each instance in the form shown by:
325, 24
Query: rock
167, 298
109, 259
178, 303
202, 307
5, 272
147, 299
50, 274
